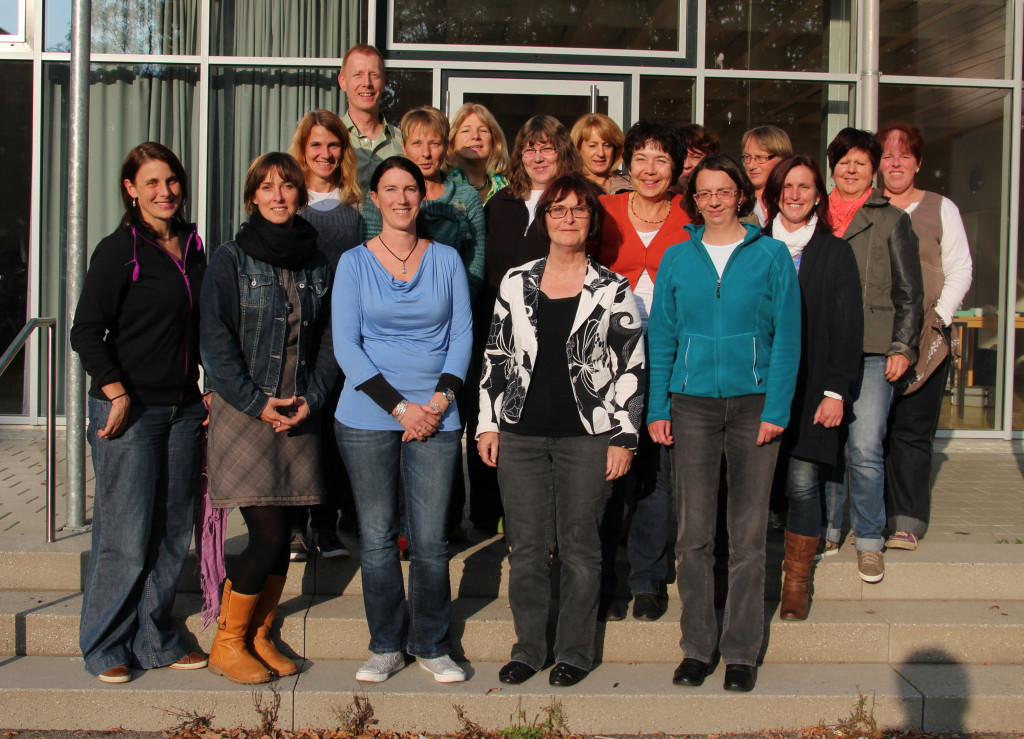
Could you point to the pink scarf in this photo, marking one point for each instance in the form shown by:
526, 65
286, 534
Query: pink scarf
843, 211
209, 535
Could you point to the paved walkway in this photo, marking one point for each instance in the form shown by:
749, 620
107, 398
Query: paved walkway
978, 493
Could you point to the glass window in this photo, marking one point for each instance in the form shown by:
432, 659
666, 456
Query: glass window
614, 24
512, 111
945, 38
810, 112
297, 28
965, 159
15, 205
406, 89
127, 105
666, 99
787, 35
128, 26
12, 20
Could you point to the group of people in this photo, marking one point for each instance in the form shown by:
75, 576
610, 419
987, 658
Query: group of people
610, 317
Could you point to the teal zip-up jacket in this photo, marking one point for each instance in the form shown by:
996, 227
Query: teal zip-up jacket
722, 338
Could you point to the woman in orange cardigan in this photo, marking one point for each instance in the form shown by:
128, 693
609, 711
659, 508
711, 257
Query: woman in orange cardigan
638, 227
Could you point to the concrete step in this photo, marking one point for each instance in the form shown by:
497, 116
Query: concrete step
334, 628
55, 693
479, 569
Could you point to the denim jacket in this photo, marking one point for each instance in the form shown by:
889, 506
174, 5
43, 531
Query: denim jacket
242, 330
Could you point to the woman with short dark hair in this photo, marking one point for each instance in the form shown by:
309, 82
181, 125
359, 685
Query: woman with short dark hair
266, 350
560, 393
883, 240
724, 345
136, 332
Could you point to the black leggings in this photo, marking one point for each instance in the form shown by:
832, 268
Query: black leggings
267, 551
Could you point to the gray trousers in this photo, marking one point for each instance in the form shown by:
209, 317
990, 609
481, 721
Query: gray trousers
704, 429
554, 492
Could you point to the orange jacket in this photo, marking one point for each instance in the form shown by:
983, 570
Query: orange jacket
622, 251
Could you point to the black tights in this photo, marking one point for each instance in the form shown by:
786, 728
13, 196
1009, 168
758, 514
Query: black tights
267, 551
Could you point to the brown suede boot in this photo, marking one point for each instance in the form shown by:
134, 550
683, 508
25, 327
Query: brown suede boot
228, 655
796, 584
258, 635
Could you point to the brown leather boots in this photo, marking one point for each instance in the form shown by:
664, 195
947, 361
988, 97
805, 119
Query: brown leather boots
242, 650
796, 583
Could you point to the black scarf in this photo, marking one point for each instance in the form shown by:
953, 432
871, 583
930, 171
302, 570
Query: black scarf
281, 246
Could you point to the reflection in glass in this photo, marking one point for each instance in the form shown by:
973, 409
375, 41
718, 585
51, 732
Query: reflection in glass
614, 24
666, 99
128, 26
964, 159
10, 22
512, 111
15, 190
810, 112
406, 89
945, 38
296, 28
127, 105
787, 35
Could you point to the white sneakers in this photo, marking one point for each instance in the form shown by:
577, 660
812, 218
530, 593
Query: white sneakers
380, 667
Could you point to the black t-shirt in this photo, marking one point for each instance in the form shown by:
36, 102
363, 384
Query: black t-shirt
550, 407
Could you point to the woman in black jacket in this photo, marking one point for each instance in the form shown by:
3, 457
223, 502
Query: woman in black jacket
136, 331
831, 341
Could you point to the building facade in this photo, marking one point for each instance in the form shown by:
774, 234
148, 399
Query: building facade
221, 81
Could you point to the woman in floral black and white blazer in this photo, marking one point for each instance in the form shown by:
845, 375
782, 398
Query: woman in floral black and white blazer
562, 395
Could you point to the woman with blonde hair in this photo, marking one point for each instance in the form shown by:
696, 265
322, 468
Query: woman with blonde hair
600, 142
763, 148
477, 151
323, 149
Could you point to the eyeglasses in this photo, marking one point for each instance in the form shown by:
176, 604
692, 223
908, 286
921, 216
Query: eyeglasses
578, 211
724, 195
758, 158
544, 151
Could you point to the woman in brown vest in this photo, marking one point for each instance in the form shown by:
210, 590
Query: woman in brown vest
946, 268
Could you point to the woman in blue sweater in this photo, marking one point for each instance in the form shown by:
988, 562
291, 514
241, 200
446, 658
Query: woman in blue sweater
402, 335
724, 338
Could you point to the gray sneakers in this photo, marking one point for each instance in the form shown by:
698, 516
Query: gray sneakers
443, 668
380, 667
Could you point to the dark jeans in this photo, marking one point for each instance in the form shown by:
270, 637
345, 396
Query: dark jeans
554, 492
704, 430
803, 489
912, 424
381, 467
648, 486
146, 482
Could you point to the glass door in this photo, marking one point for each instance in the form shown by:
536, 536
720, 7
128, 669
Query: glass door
514, 100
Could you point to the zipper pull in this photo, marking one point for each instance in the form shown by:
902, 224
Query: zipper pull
718, 291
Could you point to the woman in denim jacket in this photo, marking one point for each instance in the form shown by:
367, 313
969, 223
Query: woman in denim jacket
265, 342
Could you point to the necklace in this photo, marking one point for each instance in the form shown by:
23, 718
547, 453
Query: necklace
632, 207
403, 261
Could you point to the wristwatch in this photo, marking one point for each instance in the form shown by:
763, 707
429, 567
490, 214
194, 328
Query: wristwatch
449, 395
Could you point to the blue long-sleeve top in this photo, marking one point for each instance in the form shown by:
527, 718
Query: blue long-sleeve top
409, 332
722, 337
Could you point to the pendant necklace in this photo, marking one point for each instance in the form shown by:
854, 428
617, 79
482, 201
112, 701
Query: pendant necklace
403, 261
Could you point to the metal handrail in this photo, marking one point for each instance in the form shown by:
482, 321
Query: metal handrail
51, 406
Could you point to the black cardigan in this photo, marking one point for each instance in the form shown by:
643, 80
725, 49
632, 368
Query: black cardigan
507, 246
832, 338
137, 319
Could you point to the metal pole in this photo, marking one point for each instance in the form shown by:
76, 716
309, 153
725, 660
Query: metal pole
869, 71
78, 180
51, 431
593, 98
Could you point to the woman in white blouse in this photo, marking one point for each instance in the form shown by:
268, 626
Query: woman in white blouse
946, 268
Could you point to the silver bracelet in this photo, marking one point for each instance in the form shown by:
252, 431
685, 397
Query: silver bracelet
435, 406
399, 411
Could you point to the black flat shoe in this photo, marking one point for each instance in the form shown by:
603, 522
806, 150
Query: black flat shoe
516, 672
691, 673
739, 678
647, 607
563, 675
609, 609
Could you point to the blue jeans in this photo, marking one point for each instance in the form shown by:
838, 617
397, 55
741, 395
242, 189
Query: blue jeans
863, 477
142, 521
803, 489
381, 467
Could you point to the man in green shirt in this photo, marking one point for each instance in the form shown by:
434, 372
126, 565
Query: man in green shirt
362, 79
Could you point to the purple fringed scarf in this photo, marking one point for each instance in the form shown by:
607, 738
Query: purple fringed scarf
209, 545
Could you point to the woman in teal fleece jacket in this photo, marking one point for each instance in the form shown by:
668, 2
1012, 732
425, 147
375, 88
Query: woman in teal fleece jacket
724, 342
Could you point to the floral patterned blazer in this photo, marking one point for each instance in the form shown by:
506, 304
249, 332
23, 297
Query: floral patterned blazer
605, 351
